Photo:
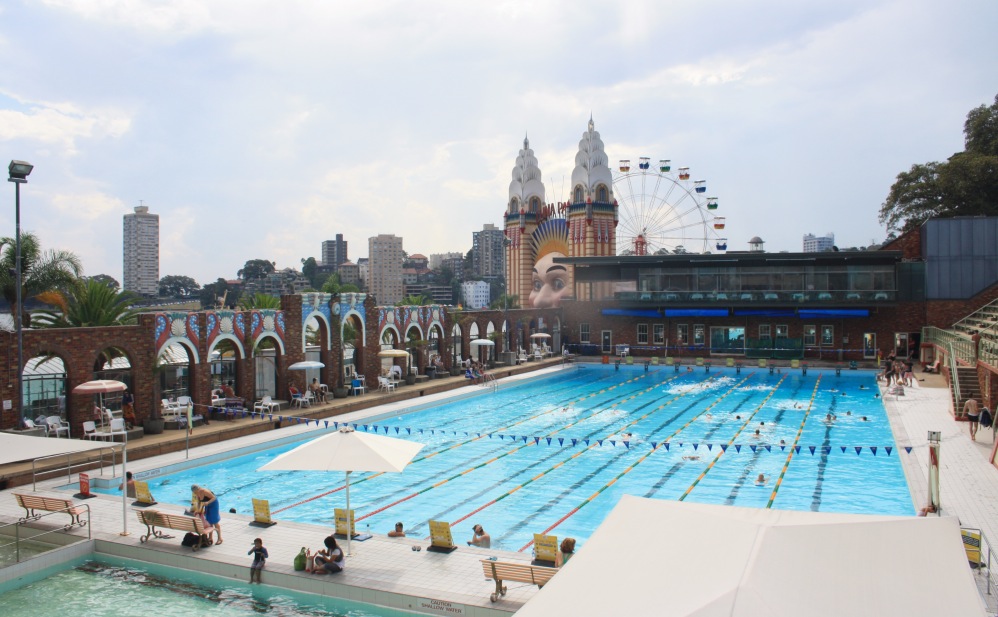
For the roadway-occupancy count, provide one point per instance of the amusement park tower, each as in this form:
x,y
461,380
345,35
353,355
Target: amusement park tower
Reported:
x,y
583,226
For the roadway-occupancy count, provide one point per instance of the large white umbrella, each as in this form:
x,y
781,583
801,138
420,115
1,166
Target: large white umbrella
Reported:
x,y
349,451
482,342
305,365
393,353
540,335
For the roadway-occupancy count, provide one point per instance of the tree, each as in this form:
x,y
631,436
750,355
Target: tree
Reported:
x,y
259,301
87,304
213,293
108,280
176,286
41,271
309,270
349,288
256,269
965,185
413,301
505,301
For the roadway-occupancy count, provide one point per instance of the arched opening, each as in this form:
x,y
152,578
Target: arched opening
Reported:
x,y
416,345
578,196
602,195
490,333
43,388
314,334
535,204
352,338
222,361
457,337
173,367
389,340
265,357
113,363
433,349
514,206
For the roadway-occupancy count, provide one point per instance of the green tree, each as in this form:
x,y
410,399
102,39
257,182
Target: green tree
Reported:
x,y
965,185
108,280
259,301
332,284
505,302
309,269
41,271
176,286
349,288
413,301
256,269
87,304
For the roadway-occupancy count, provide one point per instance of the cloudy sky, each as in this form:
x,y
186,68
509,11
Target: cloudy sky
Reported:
x,y
258,129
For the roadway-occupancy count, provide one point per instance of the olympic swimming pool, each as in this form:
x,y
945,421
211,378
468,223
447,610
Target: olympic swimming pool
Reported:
x,y
548,454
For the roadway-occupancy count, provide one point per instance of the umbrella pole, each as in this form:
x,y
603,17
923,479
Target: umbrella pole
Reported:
x,y
349,517
124,486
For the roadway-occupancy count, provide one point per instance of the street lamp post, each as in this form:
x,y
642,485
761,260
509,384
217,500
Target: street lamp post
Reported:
x,y
18,172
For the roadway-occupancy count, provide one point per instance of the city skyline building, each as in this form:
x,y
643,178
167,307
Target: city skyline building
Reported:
x,y
437,259
818,244
488,253
141,252
475,294
385,268
334,252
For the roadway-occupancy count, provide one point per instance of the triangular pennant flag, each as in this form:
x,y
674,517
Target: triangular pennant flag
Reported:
x,y
783,447
548,439
387,428
666,444
680,444
709,446
627,444
501,436
843,448
654,445
812,449
490,435
408,431
612,442
695,446
874,450
327,423
575,442
858,449
365,427
561,441
244,413
738,447
354,426
375,427
433,431
769,448
753,447
271,416
537,440
907,449
524,438
336,424
420,431
888,450
826,449
724,447
796,449
398,428
280,418
585,441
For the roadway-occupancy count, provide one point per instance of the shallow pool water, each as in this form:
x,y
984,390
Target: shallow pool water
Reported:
x,y
555,454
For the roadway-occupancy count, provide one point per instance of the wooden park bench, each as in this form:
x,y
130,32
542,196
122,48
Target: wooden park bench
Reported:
x,y
502,571
155,521
33,504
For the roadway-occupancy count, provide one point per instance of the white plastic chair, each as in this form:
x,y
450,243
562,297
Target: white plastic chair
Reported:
x,y
90,430
268,404
30,424
117,428
170,408
385,385
57,426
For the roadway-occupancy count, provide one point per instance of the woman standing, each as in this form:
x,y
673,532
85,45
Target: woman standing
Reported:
x,y
209,504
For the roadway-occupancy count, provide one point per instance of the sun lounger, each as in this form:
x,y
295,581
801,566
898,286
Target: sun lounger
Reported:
x,y
502,571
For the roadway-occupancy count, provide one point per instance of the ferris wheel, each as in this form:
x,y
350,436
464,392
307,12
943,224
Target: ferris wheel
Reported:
x,y
661,211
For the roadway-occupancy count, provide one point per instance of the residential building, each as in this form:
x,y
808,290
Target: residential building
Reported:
x,y
364,270
349,273
488,252
417,261
815,244
475,294
385,255
334,252
286,281
437,259
141,252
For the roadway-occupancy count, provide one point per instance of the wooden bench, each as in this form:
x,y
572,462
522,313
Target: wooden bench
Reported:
x,y
154,519
501,571
32,504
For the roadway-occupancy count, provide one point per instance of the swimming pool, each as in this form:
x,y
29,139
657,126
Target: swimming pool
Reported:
x,y
553,454
114,587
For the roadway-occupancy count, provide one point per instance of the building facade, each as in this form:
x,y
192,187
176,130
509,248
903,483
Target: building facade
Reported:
x,y
385,268
334,252
816,244
141,252
488,252
475,294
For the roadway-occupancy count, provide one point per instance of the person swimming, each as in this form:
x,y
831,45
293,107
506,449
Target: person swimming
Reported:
x,y
759,481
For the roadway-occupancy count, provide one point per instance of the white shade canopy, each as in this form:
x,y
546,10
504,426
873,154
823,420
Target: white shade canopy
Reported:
x,y
306,365
100,386
16,448
702,560
393,353
540,335
482,342
347,450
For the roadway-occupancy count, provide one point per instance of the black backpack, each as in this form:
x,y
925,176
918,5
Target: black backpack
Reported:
x,y
986,419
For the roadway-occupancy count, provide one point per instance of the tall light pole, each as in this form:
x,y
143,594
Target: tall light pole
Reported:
x,y
18,172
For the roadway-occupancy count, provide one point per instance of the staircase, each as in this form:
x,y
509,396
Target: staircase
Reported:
x,y
984,321
970,388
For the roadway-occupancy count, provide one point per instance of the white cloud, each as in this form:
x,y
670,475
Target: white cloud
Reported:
x,y
61,124
170,16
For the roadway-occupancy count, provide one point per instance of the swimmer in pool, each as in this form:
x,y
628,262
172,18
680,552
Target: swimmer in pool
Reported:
x,y
691,457
783,443
848,413
757,434
761,480
863,418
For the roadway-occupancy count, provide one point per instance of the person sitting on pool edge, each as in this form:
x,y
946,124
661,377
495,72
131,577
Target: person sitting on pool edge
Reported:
x,y
399,531
329,559
481,538
566,552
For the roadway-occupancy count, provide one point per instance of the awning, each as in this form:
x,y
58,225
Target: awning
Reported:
x,y
17,448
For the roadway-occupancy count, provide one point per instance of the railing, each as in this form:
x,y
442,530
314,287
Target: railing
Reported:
x,y
985,584
987,352
37,474
972,320
954,380
959,345
17,529
763,296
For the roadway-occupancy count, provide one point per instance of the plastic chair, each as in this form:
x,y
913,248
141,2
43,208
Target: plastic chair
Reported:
x,y
90,430
385,385
266,404
117,428
57,425
357,386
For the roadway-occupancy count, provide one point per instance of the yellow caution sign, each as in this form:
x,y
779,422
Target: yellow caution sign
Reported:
x,y
341,521
261,513
545,547
440,535
972,545
142,494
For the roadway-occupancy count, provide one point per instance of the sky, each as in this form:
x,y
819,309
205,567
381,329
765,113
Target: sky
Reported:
x,y
256,130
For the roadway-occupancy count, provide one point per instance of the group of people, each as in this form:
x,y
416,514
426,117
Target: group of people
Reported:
x,y
476,372
898,372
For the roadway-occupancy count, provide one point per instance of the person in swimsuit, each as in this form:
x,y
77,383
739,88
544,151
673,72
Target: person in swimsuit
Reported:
x,y
973,417
566,552
209,505
260,556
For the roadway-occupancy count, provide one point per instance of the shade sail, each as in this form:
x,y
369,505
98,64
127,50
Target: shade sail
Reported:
x,y
17,448
703,560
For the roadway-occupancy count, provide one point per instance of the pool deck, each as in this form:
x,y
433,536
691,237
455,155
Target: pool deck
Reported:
x,y
386,571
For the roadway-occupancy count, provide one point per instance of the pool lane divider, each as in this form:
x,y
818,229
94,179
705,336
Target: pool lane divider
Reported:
x,y
795,448
488,435
661,444
596,444
526,444
731,441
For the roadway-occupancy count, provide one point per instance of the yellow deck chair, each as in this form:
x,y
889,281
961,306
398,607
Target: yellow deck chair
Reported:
x,y
729,362
795,363
654,360
699,361
762,363
669,361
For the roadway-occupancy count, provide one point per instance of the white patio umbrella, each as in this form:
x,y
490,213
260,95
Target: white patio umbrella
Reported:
x,y
482,342
349,451
306,365
393,353
540,335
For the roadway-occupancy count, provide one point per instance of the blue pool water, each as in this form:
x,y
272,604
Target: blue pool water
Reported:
x,y
112,587
549,454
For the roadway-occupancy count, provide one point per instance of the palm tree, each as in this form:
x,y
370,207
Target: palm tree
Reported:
x,y
41,271
87,304
419,300
259,301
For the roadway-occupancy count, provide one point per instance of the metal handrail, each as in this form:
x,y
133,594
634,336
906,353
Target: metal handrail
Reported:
x,y
990,585
955,380
17,528
36,473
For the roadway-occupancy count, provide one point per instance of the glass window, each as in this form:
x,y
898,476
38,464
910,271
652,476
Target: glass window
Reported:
x,y
810,336
782,331
642,334
765,331
683,334
827,335
698,334
583,333
727,340
659,334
